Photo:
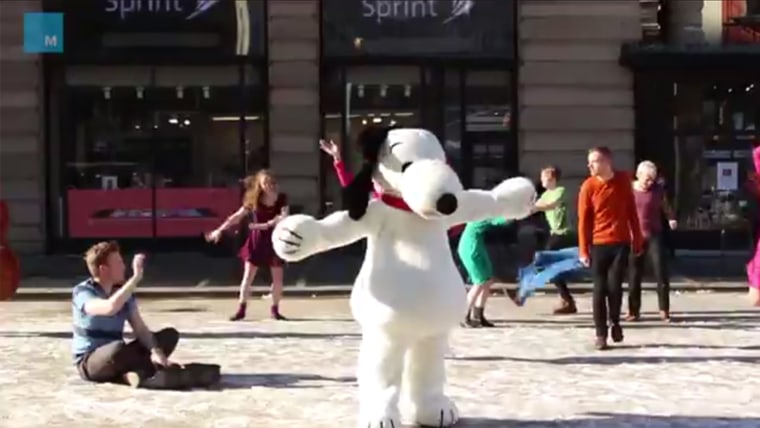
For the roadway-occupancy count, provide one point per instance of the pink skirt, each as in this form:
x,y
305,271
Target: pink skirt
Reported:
x,y
753,269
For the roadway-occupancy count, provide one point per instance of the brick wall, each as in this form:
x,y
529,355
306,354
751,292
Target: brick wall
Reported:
x,y
573,95
22,166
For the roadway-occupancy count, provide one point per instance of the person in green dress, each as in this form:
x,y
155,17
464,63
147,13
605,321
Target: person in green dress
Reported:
x,y
554,206
474,256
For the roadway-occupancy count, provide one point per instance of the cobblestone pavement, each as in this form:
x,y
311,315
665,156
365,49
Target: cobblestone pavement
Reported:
x,y
535,370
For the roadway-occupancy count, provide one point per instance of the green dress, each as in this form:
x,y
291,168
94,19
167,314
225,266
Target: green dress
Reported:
x,y
472,249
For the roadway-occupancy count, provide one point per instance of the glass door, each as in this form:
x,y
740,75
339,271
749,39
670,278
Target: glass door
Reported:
x,y
360,96
469,110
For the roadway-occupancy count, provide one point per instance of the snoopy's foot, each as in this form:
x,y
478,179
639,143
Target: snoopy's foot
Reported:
x,y
439,412
380,419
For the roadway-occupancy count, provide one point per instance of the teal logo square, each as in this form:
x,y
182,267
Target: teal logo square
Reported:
x,y
43,32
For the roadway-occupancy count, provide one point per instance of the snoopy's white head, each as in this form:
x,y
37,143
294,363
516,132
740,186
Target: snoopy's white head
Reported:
x,y
407,163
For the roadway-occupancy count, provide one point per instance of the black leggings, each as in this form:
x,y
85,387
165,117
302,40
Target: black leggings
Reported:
x,y
655,251
558,242
608,263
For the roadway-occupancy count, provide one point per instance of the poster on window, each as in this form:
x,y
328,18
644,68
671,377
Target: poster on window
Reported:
x,y
131,213
728,176
741,20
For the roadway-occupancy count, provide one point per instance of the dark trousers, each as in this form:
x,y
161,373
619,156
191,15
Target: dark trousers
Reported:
x,y
608,263
558,242
656,252
110,362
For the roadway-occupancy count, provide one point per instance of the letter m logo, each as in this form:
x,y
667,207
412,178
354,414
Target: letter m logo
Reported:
x,y
43,33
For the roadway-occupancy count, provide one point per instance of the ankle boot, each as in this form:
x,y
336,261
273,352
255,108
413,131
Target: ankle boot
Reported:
x,y
240,314
566,307
274,312
470,322
479,315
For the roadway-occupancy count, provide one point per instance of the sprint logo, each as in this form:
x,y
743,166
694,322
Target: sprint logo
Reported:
x,y
401,10
126,8
201,6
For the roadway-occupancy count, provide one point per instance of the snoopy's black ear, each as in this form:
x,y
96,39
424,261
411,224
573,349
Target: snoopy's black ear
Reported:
x,y
356,194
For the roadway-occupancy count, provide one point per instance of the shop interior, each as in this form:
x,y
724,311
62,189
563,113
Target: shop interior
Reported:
x,y
469,110
159,137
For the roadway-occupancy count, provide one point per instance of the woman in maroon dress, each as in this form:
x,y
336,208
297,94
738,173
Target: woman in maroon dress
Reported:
x,y
263,205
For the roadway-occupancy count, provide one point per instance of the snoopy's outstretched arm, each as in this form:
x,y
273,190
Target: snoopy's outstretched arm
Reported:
x,y
299,236
513,199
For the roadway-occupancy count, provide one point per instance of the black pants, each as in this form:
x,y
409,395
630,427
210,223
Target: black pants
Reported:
x,y
558,242
656,252
608,263
110,362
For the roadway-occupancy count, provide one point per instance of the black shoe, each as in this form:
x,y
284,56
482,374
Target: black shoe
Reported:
x,y
616,333
202,375
471,323
172,378
485,323
479,316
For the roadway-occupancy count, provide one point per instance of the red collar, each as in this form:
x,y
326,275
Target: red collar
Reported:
x,y
395,202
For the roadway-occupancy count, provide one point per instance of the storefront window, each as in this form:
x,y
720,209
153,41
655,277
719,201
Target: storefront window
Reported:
x,y
488,127
715,127
157,151
469,111
741,21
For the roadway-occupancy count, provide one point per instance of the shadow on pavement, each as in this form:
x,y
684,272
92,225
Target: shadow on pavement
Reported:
x,y
614,360
599,420
278,380
196,335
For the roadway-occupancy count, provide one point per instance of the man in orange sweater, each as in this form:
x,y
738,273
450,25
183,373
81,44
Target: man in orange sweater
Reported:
x,y
608,229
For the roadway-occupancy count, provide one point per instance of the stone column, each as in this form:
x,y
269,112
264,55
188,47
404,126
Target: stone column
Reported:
x,y
685,20
573,94
294,119
22,153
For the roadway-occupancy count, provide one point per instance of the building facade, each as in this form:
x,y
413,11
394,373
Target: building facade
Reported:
x,y
142,128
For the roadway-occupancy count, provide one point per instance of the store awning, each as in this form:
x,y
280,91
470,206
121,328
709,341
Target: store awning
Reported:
x,y
638,56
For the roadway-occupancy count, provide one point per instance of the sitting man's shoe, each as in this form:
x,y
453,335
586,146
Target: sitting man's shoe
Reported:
x,y
202,375
171,378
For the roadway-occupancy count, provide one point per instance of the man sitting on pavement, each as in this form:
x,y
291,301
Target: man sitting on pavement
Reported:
x,y
100,308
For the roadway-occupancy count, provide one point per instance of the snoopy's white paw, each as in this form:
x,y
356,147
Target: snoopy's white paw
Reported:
x,y
294,237
388,419
439,413
518,196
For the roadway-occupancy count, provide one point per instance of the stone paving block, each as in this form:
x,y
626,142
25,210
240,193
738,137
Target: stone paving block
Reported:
x,y
534,370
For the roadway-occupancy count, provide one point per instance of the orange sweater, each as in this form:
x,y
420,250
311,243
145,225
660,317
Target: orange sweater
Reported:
x,y
607,213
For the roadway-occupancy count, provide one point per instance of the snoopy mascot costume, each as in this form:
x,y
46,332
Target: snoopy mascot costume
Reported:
x,y
408,294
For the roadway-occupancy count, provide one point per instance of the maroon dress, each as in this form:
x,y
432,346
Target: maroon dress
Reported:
x,y
258,249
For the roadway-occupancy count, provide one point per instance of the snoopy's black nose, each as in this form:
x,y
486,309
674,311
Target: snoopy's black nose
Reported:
x,y
446,204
